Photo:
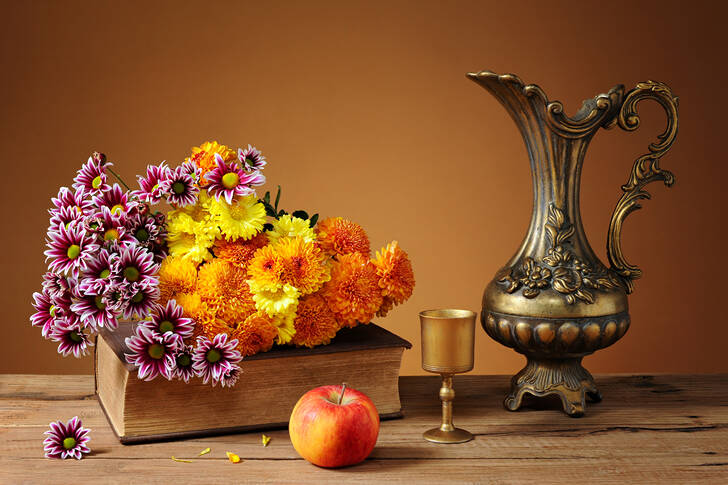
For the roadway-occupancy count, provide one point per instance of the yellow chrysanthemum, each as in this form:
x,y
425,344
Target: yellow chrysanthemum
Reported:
x,y
239,252
204,156
394,268
244,218
339,236
353,293
191,233
289,226
302,264
284,326
276,300
191,246
176,275
315,323
256,334
265,268
222,285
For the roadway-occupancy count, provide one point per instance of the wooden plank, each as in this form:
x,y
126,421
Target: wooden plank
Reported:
x,y
671,429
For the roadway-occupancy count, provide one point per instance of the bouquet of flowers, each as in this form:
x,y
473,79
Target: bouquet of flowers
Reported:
x,y
216,275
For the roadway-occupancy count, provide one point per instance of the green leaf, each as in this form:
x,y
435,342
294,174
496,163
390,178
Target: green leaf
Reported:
x,y
270,211
300,214
278,196
266,199
314,220
267,226
281,213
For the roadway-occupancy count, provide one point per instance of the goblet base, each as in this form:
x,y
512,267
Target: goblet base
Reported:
x,y
455,435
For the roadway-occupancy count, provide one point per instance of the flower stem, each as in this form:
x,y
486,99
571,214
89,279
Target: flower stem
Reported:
x,y
118,178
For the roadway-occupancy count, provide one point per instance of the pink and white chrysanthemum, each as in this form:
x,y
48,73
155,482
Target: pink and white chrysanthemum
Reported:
x,y
100,270
150,189
45,313
71,338
76,200
116,199
149,350
69,248
229,180
137,265
109,226
230,378
66,440
180,187
140,298
193,170
179,363
56,285
169,318
251,158
213,359
64,216
93,312
91,176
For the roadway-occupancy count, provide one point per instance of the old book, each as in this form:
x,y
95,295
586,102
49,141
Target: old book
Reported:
x,y
366,357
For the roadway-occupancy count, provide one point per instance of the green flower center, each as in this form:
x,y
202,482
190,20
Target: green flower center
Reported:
x,y
52,310
117,209
230,180
111,235
250,162
131,273
73,251
213,356
99,302
184,360
96,182
156,351
75,336
69,443
138,297
166,326
178,188
142,235
105,273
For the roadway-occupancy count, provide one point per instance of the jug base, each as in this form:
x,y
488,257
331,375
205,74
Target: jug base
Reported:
x,y
565,378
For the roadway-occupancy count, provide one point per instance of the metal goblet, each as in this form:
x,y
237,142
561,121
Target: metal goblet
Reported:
x,y
448,342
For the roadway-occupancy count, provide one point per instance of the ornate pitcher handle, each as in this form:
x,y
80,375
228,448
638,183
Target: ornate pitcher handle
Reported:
x,y
646,169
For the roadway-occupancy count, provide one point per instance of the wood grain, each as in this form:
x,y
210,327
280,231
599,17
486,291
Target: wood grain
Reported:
x,y
669,429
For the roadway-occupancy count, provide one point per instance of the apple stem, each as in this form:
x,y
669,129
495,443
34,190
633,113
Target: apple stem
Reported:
x,y
343,390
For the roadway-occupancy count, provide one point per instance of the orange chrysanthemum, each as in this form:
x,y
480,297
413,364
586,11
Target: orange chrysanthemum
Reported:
x,y
240,251
340,236
255,334
193,307
223,287
302,264
176,276
387,306
204,156
315,323
353,293
394,268
265,268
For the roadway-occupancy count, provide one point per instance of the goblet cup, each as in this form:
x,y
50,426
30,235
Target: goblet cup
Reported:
x,y
448,341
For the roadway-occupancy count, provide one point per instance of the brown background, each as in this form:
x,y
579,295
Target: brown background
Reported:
x,y
364,111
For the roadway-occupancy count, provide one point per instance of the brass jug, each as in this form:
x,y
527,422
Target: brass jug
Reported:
x,y
555,301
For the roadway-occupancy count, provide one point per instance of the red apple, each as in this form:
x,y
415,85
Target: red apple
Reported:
x,y
331,430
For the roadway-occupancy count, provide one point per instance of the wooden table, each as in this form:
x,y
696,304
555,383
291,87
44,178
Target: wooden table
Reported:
x,y
663,428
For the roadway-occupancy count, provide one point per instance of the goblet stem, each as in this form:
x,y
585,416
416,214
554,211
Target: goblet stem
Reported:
x,y
447,394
